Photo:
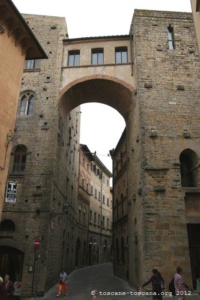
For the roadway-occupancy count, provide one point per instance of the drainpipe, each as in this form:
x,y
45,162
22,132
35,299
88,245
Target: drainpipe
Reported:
x,y
131,47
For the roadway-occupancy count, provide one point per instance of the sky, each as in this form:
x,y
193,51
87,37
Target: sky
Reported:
x,y
86,18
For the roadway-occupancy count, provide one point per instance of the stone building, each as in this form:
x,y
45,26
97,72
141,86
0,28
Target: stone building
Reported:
x,y
17,44
151,77
195,4
121,222
160,152
44,167
85,158
94,238
100,219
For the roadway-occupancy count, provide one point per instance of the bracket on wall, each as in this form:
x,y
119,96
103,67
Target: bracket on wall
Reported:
x,y
2,30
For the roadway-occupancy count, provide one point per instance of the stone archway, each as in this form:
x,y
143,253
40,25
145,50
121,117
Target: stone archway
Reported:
x,y
112,92
102,89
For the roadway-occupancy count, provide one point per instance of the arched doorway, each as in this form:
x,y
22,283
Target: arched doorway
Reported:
x,y
11,262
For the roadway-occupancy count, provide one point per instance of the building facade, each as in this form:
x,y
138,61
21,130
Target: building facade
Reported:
x,y
195,5
95,210
150,76
82,243
44,169
100,219
121,222
13,34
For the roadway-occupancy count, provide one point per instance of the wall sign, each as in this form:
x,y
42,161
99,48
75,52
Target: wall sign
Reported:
x,y
11,191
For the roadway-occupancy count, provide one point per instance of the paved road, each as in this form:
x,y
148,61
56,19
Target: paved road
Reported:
x,y
83,281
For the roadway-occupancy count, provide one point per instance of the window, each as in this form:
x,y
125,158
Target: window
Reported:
x,y
95,193
107,201
198,5
79,214
7,225
103,222
171,37
84,216
99,220
91,190
32,64
99,196
103,178
90,216
97,56
95,218
103,199
19,160
121,55
83,183
26,104
107,223
74,58
189,172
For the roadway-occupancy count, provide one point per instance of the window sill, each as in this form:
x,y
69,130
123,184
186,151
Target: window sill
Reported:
x,y
16,175
32,70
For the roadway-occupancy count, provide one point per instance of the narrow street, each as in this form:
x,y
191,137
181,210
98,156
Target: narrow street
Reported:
x,y
82,282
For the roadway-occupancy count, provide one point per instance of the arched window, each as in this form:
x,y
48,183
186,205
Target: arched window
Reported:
x,y
19,162
26,104
7,225
188,160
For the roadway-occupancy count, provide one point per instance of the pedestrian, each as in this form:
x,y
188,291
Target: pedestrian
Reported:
x,y
198,285
95,293
179,284
62,283
1,281
6,288
157,282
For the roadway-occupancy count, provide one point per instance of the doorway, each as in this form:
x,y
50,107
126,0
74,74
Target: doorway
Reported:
x,y
194,249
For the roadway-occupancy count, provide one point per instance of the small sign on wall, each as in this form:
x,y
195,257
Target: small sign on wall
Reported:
x,y
11,191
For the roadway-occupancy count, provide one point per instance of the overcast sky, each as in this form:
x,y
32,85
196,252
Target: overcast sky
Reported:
x,y
99,131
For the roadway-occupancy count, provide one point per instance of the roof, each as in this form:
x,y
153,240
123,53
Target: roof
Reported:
x,y
95,158
87,151
11,18
116,37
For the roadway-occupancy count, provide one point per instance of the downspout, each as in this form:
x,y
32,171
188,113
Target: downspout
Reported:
x,y
131,47
9,139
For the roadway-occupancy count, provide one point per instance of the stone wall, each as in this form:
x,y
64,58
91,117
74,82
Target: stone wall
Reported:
x,y
51,173
168,107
